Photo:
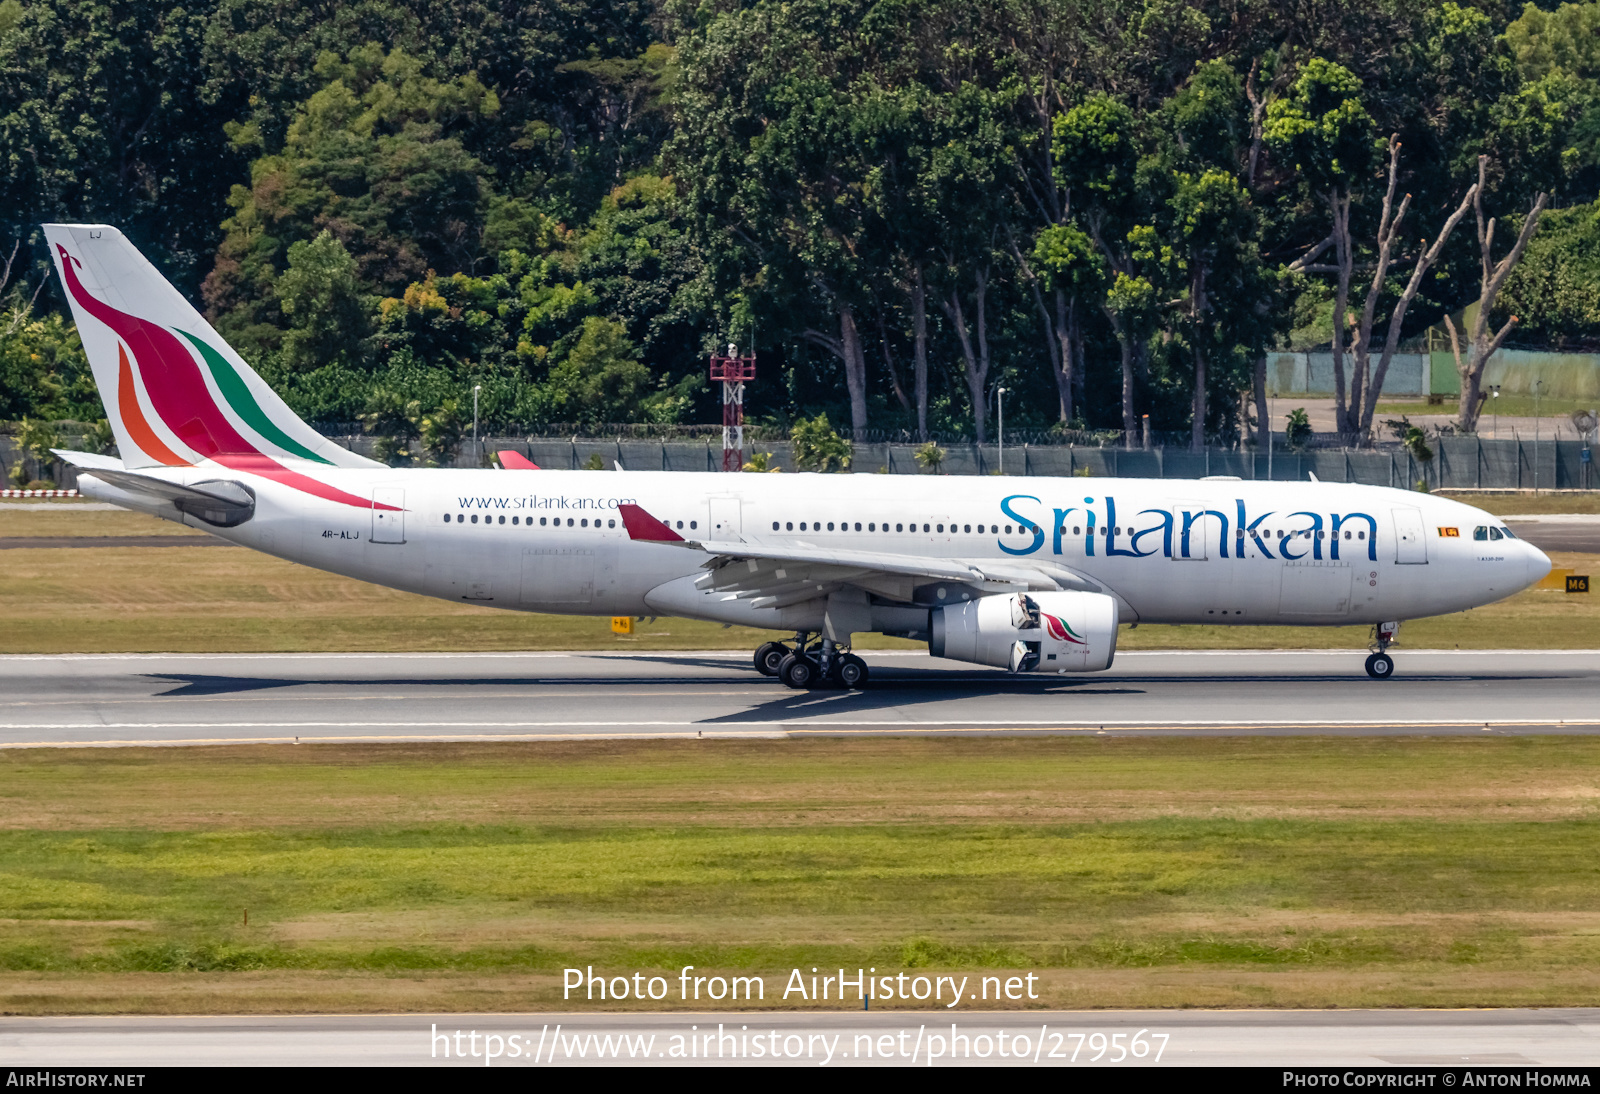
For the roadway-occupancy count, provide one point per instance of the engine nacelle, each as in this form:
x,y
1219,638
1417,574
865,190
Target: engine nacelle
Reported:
x,y
1029,632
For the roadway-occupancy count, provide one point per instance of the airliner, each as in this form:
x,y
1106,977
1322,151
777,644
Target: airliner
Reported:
x,y
1028,575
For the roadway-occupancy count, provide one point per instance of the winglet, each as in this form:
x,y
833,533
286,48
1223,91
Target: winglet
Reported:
x,y
515,461
642,525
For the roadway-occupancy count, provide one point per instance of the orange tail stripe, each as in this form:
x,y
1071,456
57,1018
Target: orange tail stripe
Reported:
x,y
133,418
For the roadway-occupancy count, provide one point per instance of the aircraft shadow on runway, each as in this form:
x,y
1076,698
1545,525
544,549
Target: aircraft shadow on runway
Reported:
x,y
890,686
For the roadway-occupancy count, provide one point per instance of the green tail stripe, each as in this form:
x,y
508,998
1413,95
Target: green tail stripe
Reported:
x,y
244,404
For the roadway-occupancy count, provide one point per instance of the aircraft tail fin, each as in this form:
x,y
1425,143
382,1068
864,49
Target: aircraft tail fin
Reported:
x,y
175,393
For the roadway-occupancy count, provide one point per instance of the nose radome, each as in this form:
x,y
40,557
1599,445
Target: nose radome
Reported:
x,y
1538,563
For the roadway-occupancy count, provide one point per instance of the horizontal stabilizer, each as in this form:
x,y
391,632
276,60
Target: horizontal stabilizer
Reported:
x,y
220,502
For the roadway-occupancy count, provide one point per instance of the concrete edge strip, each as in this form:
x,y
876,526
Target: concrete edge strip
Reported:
x,y
764,731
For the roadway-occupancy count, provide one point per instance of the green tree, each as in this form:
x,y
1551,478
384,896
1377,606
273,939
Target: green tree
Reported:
x,y
1322,131
817,447
320,297
374,158
1098,155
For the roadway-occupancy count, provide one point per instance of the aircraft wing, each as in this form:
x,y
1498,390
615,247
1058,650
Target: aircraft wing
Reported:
x,y
778,576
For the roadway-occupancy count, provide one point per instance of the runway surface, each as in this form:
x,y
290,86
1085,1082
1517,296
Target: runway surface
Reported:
x,y
224,698
1560,531
1390,1038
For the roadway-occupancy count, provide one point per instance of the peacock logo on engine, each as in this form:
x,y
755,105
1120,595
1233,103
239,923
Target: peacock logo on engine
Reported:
x,y
1058,629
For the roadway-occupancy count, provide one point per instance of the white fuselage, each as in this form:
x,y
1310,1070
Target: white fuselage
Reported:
x,y
1169,551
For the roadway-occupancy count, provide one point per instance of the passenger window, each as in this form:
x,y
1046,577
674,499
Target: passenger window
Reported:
x,y
872,526
789,526
774,526
584,523
1008,529
474,518
899,528
1480,533
968,528
609,523
542,520
858,526
941,527
1077,529
1361,535
692,525
802,526
1347,535
569,522
502,520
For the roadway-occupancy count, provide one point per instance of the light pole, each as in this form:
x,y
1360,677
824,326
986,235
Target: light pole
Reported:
x,y
476,447
1000,430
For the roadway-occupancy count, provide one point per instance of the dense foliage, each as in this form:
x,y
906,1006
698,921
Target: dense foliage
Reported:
x,y
1111,208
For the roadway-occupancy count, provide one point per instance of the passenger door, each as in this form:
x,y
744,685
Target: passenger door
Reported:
x,y
1411,541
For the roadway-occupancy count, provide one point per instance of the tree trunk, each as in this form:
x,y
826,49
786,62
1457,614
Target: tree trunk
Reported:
x,y
1062,360
1259,390
888,363
1493,275
976,365
1198,306
919,327
1425,262
1345,261
1389,221
855,368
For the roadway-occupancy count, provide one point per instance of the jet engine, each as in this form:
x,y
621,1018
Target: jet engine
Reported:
x,y
1029,632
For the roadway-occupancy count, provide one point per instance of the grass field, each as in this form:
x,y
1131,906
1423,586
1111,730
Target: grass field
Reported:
x,y
214,599
1509,505
1126,872
1508,406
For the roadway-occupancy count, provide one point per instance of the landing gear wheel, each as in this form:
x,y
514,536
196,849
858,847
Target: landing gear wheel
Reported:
x,y
800,673
769,657
1380,666
852,671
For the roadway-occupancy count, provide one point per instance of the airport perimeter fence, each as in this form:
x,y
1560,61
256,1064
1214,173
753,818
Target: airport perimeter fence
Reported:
x,y
1459,462
1464,462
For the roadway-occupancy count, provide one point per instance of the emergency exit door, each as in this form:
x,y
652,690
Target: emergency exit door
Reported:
x,y
726,522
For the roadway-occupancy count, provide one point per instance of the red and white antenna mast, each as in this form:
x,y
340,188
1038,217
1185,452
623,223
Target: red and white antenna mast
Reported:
x,y
733,371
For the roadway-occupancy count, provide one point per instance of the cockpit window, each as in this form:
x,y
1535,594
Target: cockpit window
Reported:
x,y
1507,533
1495,533
1480,533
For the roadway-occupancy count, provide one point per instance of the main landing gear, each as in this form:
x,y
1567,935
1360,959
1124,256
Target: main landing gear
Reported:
x,y
1380,666
808,664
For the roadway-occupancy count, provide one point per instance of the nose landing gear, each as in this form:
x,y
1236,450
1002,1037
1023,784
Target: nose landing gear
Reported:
x,y
1380,666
